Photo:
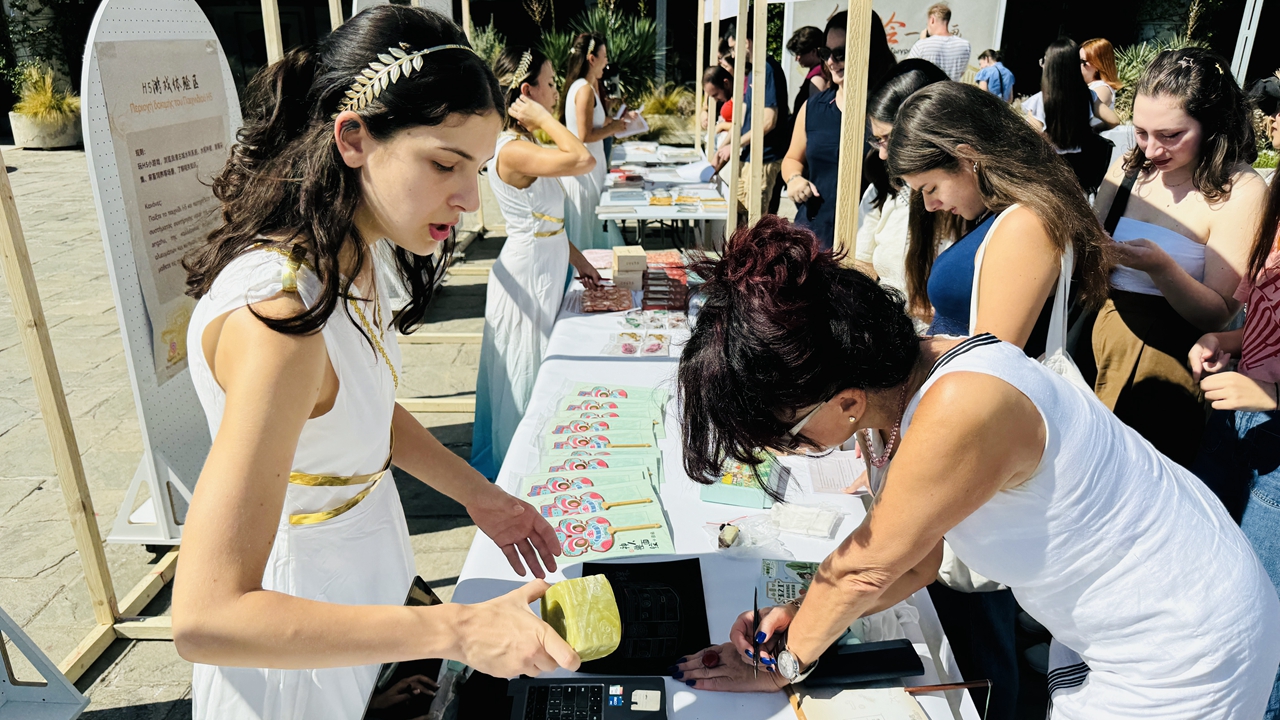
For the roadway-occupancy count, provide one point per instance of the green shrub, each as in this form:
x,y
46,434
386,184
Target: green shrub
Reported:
x,y
632,43
44,99
670,99
488,42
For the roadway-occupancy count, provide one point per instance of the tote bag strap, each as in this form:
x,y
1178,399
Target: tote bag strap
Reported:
x,y
977,268
1056,341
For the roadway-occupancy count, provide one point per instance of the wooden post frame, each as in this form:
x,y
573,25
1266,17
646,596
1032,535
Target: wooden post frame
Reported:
x,y
466,28
699,65
759,66
857,56
335,14
34,331
271,28
27,310
735,135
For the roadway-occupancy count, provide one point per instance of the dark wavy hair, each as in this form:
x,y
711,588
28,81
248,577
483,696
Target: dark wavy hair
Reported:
x,y
1066,95
784,326
505,66
902,80
1014,164
578,65
285,178
1201,80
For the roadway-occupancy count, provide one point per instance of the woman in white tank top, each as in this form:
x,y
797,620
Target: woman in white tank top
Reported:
x,y
1184,205
528,280
1123,555
296,558
582,111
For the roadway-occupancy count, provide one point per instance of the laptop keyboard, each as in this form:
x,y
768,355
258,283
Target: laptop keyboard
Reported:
x,y
564,702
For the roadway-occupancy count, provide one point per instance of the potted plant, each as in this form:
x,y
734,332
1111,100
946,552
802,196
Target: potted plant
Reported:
x,y
47,114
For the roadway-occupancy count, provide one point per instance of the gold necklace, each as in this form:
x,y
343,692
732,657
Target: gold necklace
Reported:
x,y
376,337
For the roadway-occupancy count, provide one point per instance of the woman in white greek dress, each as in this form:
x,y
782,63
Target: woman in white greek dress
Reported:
x,y
583,113
296,558
527,283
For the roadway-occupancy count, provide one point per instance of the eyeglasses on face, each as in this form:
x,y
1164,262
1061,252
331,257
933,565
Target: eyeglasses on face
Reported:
x,y
878,142
835,54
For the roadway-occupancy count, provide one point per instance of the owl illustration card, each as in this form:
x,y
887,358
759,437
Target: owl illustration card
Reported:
x,y
621,532
603,440
595,500
578,460
540,485
609,391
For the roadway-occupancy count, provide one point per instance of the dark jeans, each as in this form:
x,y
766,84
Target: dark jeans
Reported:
x,y
981,629
1240,461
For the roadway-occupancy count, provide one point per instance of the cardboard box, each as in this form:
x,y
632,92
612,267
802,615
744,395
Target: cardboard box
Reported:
x,y
629,259
628,280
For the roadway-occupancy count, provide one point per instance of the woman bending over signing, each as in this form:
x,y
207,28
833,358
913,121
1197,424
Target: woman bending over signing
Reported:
x,y
296,557
1123,555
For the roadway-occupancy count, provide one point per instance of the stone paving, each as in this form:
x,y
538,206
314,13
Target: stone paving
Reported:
x,y
41,578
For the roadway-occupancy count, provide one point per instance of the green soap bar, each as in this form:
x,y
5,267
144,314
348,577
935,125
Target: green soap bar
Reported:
x,y
585,613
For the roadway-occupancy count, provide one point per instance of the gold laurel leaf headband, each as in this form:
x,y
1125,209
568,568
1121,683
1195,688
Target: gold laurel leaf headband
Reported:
x,y
522,71
590,49
386,70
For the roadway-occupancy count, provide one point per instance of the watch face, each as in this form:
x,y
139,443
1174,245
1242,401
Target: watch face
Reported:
x,y
788,666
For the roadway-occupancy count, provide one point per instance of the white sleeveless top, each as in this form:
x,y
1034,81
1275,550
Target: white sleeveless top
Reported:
x,y
533,212
597,120
1124,556
360,557
1188,253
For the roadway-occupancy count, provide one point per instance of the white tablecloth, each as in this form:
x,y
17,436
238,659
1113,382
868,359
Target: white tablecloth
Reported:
x,y
573,356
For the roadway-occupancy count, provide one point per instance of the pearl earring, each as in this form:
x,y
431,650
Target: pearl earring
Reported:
x,y
852,419
975,167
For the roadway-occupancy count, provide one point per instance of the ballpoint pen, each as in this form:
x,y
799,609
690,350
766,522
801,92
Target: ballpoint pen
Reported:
x,y
755,634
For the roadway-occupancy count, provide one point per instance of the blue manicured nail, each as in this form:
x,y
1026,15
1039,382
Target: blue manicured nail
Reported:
x,y
677,675
749,654
673,670
681,661
768,661
760,636
690,683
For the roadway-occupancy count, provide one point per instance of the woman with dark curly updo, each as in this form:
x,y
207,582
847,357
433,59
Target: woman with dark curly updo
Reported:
x,y
1032,482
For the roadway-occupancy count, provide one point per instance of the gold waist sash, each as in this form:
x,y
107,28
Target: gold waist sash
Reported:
x,y
310,480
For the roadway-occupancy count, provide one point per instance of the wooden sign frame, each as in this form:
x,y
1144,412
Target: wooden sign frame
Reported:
x,y
853,122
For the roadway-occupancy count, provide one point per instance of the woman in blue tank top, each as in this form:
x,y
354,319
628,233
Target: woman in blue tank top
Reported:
x,y
815,147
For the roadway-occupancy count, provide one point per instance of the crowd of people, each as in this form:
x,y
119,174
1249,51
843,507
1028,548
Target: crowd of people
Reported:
x,y
1027,362
981,213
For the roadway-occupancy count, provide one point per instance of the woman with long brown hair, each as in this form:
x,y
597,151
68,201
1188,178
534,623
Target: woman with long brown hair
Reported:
x,y
296,556
527,282
582,111
1185,204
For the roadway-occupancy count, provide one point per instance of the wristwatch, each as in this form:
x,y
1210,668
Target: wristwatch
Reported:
x,y
789,667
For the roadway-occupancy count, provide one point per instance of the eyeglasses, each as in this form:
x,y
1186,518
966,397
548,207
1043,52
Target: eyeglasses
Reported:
x,y
790,435
878,142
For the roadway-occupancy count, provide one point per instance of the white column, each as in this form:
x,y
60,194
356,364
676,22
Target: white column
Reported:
x,y
1244,41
